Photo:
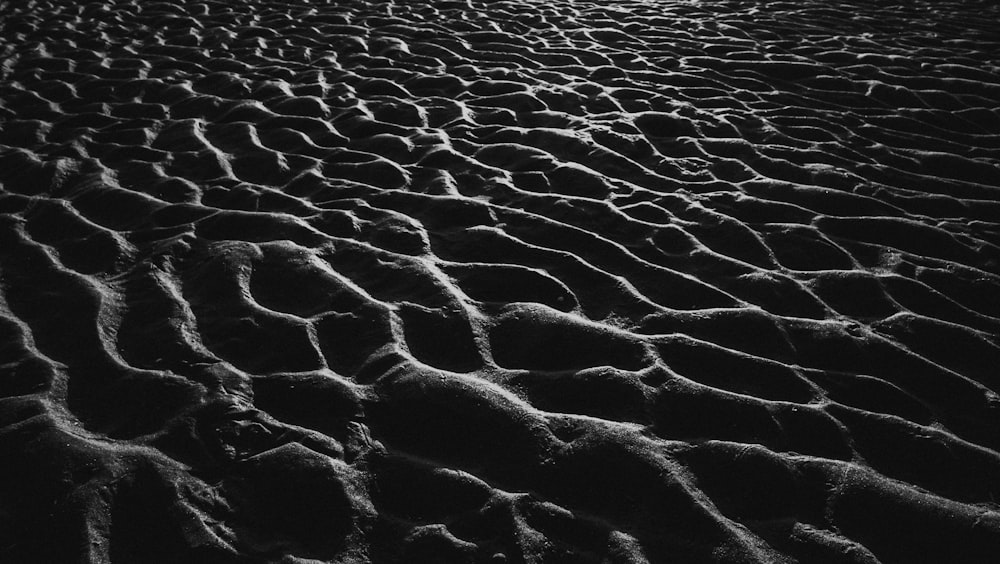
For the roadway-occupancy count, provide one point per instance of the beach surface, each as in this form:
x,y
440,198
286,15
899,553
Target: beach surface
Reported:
x,y
499,282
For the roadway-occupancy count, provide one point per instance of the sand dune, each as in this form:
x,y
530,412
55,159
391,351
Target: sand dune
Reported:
x,y
513,281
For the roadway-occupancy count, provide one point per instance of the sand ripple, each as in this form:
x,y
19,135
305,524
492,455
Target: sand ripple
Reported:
x,y
499,281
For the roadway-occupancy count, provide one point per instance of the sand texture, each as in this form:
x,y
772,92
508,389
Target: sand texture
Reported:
x,y
524,282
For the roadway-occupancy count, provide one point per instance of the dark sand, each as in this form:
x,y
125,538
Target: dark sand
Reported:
x,y
526,282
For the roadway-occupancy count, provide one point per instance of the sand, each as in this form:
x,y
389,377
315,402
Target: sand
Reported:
x,y
514,281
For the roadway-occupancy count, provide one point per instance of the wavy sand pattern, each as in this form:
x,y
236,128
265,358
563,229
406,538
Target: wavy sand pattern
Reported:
x,y
466,281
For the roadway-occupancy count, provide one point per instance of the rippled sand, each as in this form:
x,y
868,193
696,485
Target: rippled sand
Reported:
x,y
532,282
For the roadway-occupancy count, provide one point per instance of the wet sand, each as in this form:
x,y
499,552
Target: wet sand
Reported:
x,y
526,282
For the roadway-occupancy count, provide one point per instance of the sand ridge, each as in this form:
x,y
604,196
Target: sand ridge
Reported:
x,y
499,281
